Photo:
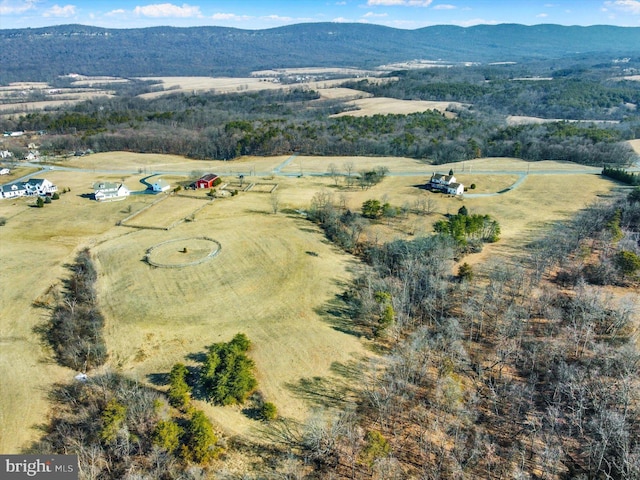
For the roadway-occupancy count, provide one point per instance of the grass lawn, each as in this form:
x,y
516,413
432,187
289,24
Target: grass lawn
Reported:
x,y
273,278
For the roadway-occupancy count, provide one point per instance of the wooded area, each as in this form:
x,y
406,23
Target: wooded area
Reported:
x,y
530,372
210,126
38,54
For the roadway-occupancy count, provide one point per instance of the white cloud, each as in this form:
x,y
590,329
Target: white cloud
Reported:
x,y
631,6
277,18
476,21
341,20
341,3
231,17
444,6
401,3
168,10
116,12
58,11
542,15
374,15
8,7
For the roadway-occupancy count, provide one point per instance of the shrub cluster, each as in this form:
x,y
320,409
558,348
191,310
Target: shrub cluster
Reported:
x,y
621,175
117,426
227,374
469,230
75,328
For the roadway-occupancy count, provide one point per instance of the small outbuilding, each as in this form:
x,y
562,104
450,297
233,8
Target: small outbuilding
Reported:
x,y
160,186
209,180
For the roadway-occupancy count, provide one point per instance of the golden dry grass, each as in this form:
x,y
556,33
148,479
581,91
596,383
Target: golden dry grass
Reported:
x,y
232,84
523,120
339,93
150,163
383,106
263,283
34,246
70,99
166,212
16,173
635,144
312,71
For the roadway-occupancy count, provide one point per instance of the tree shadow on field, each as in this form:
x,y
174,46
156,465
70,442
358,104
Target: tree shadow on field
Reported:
x,y
334,391
193,374
159,379
339,313
259,212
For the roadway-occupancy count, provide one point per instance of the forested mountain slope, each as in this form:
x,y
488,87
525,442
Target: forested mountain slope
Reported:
x,y
42,53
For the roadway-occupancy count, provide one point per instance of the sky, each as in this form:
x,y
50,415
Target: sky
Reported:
x,y
261,14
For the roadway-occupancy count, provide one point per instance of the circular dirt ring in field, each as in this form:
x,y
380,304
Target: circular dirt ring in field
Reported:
x,y
182,252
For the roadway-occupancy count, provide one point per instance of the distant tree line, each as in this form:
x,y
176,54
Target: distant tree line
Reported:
x,y
578,95
209,126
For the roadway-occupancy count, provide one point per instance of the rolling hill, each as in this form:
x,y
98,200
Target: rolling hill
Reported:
x,y
43,53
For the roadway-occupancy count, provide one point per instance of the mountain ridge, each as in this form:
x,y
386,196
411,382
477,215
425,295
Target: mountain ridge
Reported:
x,y
41,53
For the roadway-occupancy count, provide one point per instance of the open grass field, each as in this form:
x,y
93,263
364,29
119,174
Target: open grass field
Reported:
x,y
150,163
34,246
20,97
166,212
273,279
382,106
233,84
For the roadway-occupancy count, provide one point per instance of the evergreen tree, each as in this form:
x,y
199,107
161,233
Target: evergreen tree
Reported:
x,y
179,391
199,439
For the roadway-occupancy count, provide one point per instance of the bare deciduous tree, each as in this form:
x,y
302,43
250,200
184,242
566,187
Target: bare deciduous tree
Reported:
x,y
349,168
332,169
275,201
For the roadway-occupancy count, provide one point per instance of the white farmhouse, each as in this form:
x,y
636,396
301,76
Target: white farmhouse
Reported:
x,y
40,186
109,191
32,187
446,183
13,190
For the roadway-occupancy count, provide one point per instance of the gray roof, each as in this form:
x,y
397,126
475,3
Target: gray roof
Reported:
x,y
9,187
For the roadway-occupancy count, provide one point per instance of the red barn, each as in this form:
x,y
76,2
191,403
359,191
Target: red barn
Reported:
x,y
207,181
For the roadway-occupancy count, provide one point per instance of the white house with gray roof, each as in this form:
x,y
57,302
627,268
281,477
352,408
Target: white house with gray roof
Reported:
x,y
32,187
13,190
109,191
446,183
